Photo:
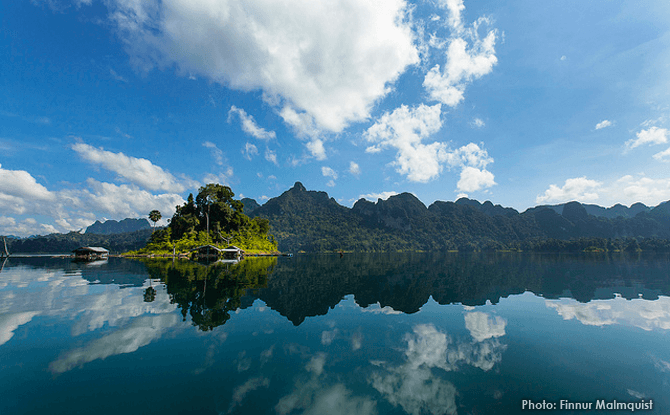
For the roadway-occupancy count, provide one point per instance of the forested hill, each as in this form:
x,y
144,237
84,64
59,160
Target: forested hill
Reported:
x,y
311,221
110,227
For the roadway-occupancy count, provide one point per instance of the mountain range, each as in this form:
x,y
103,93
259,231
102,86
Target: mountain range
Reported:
x,y
311,221
110,227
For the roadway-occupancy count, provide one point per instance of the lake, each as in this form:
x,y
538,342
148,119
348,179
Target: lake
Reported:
x,y
319,334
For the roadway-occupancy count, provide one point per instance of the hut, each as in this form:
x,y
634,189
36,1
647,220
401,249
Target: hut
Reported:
x,y
91,253
206,252
232,252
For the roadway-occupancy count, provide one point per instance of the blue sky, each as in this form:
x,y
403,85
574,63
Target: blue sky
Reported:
x,y
109,109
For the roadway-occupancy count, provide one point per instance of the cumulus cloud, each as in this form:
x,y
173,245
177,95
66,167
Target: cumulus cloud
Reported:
x,y
354,169
663,155
249,150
122,201
580,188
405,130
307,53
603,124
19,190
328,172
136,170
305,128
468,57
629,189
271,156
249,125
473,179
478,123
653,135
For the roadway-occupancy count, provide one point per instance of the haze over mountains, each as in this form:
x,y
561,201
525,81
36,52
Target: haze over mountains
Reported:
x,y
303,220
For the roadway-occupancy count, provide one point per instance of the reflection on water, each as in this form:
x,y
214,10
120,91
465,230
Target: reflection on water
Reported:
x,y
362,334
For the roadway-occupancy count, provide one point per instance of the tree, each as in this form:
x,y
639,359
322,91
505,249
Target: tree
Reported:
x,y
155,216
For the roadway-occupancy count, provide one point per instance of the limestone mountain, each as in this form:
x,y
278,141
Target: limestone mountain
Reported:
x,y
311,221
110,227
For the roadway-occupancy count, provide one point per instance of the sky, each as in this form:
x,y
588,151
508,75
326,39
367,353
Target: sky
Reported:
x,y
110,109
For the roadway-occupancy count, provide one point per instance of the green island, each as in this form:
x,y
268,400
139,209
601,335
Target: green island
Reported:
x,y
212,218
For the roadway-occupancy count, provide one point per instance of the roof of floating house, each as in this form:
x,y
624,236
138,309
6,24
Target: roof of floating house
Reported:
x,y
231,248
92,249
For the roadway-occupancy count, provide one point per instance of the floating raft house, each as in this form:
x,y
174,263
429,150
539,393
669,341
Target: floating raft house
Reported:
x,y
211,252
91,252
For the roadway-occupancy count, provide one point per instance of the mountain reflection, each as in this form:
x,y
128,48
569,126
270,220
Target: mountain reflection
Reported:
x,y
307,286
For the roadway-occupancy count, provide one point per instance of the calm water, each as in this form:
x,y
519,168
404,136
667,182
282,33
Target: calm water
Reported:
x,y
363,334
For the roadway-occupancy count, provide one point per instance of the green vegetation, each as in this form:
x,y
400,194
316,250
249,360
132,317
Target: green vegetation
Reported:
x,y
212,218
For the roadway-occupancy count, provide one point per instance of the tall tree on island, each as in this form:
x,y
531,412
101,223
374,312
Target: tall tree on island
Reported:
x,y
155,216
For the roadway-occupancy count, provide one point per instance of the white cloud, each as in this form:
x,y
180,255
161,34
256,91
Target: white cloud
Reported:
x,y
626,190
249,125
216,152
328,172
580,188
137,170
122,201
332,60
629,189
405,129
305,128
663,155
374,196
473,179
19,191
603,124
564,58
653,135
478,123
468,57
271,156
249,150
354,169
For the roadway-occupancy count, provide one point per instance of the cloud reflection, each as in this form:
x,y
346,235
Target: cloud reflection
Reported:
x,y
141,332
645,314
416,386
313,397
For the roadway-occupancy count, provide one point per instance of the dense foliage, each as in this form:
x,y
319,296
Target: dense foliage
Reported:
x,y
212,217
310,221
